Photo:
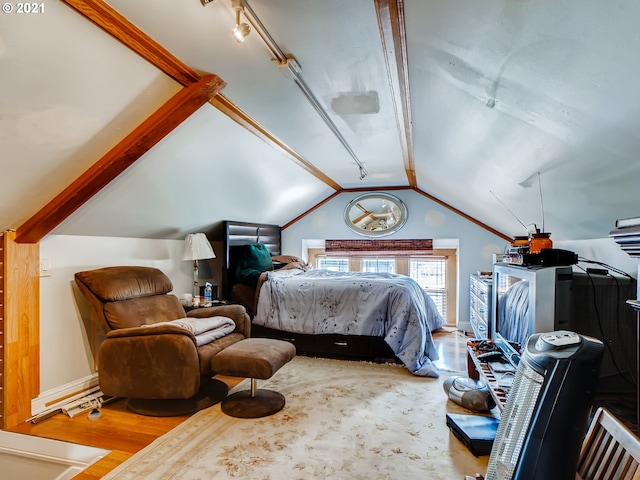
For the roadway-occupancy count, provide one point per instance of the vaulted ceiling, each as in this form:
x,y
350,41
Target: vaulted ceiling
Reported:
x,y
483,106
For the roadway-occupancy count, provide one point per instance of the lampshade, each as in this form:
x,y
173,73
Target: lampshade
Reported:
x,y
197,247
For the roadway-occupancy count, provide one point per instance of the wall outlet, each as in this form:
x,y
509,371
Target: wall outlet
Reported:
x,y
45,267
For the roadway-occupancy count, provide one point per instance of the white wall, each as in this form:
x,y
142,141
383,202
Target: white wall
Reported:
x,y
604,250
65,318
427,219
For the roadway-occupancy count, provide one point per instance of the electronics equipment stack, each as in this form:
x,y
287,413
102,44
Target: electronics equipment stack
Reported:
x,y
520,254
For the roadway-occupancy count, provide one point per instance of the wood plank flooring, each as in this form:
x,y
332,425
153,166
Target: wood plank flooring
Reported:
x,y
125,433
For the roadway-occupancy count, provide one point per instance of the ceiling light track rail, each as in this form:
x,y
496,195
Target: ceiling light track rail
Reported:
x,y
293,71
279,56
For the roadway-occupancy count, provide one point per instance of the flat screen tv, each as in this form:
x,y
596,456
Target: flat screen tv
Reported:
x,y
528,300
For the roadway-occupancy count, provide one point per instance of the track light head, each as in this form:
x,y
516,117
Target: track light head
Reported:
x,y
241,30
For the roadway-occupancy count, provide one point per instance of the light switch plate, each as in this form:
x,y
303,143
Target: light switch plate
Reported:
x,y
45,267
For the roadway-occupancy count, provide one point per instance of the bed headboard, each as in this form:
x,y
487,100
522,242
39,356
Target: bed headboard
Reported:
x,y
238,234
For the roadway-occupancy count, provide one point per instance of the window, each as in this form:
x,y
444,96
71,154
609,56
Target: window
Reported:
x,y
431,275
435,273
333,263
387,265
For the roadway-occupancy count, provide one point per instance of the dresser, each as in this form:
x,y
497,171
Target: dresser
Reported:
x,y
480,304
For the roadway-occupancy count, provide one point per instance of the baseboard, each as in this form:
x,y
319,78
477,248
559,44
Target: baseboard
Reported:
x,y
64,394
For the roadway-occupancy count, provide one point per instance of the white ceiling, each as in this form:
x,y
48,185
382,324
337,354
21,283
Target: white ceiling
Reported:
x,y
508,97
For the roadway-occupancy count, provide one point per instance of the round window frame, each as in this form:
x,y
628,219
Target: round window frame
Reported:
x,y
399,204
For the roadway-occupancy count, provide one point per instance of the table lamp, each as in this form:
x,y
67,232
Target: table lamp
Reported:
x,y
197,247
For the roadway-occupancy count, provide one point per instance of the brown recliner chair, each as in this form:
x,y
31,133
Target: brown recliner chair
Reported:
x,y
145,357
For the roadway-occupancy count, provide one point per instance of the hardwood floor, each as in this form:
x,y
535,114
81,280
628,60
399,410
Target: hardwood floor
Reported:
x,y
125,433
452,349
118,429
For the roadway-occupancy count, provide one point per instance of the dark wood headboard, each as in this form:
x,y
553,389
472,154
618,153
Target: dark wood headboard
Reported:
x,y
238,234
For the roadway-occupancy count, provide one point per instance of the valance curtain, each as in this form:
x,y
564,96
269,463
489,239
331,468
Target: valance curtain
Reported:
x,y
379,247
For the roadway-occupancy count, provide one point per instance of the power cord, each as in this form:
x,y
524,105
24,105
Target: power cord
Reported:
x,y
606,340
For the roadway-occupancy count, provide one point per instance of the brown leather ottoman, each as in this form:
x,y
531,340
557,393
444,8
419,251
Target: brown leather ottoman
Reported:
x,y
254,358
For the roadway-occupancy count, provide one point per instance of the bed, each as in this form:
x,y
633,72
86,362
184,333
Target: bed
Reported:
x,y
344,314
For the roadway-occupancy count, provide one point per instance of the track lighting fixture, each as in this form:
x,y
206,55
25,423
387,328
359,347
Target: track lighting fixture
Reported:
x,y
292,70
363,172
241,30
288,65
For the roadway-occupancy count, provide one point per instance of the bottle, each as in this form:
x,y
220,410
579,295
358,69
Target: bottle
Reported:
x,y
207,294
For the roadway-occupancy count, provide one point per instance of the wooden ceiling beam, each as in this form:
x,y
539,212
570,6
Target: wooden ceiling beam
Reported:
x,y
112,22
231,110
119,158
394,43
464,215
108,19
316,206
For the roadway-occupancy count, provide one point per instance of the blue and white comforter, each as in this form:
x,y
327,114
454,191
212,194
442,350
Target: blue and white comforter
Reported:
x,y
385,305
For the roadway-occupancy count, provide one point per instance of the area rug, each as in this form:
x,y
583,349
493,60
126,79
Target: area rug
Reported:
x,y
342,420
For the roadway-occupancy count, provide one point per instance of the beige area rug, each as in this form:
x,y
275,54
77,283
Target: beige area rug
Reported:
x,y
343,420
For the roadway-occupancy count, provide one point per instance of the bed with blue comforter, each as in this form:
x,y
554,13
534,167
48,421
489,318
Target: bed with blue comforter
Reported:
x,y
319,302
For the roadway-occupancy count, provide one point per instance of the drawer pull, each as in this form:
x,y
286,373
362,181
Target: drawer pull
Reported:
x,y
341,344
292,340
